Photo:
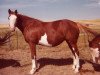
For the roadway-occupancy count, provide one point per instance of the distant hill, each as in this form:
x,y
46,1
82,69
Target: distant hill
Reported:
x,y
96,21
4,25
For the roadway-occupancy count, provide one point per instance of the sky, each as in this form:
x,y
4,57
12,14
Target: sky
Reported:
x,y
49,10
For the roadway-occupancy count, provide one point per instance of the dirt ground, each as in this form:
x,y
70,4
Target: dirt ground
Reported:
x,y
52,61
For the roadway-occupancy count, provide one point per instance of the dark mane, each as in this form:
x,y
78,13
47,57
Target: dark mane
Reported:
x,y
31,18
27,17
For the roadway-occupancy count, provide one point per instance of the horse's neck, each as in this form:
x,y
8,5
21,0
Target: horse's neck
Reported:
x,y
22,22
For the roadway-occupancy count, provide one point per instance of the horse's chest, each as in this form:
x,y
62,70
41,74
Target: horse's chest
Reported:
x,y
43,40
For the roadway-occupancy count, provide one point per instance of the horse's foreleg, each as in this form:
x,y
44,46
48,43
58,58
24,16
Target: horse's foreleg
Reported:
x,y
33,56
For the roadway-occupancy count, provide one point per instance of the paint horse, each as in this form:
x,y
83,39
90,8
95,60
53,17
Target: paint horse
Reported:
x,y
51,34
95,48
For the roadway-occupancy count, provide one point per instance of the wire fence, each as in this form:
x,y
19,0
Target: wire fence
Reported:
x,y
15,42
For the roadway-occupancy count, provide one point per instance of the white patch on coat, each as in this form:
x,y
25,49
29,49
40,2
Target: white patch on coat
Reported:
x,y
73,67
76,64
73,61
95,53
73,49
12,20
44,41
33,66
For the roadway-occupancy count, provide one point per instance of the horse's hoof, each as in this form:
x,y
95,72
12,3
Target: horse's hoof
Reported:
x,y
73,67
76,71
32,71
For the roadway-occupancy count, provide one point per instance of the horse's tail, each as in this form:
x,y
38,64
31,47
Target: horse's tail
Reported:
x,y
4,39
87,30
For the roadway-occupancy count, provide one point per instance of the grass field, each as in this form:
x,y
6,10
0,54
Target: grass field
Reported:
x,y
53,61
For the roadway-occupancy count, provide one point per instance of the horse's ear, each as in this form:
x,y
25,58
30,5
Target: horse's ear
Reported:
x,y
16,12
9,11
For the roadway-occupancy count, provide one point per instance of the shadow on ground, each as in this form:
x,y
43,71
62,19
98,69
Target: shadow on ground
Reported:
x,y
8,62
95,66
57,62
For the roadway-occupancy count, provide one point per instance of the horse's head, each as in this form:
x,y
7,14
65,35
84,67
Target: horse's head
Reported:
x,y
12,19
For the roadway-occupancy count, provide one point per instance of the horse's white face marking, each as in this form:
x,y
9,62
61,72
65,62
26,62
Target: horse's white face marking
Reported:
x,y
12,20
33,66
95,53
44,41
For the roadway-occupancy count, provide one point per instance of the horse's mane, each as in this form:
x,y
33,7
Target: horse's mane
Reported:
x,y
25,16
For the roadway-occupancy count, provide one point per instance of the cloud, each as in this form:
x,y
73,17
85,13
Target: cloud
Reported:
x,y
99,2
18,3
93,3
25,3
48,0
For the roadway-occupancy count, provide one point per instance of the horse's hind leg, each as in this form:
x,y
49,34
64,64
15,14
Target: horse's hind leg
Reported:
x,y
76,64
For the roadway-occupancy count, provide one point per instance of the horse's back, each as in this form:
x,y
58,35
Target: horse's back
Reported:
x,y
63,25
